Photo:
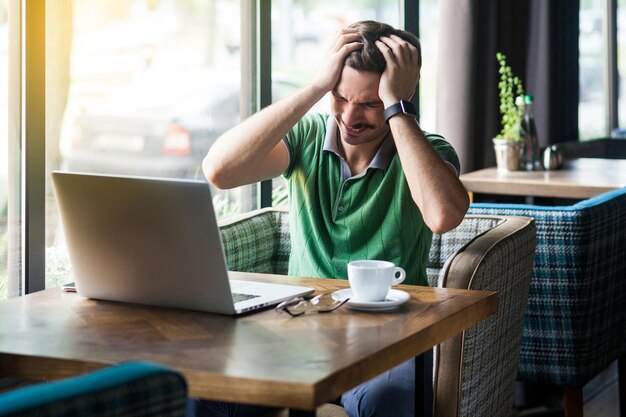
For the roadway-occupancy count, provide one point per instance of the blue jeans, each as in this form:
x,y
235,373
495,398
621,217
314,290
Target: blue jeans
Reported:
x,y
390,394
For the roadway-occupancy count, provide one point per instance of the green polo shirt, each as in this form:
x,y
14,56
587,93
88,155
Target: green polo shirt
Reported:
x,y
336,218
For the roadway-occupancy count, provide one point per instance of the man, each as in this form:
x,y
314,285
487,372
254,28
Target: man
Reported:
x,y
364,183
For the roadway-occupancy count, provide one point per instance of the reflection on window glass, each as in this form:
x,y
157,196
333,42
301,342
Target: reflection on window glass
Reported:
x,y
429,26
621,61
591,108
302,31
4,144
141,87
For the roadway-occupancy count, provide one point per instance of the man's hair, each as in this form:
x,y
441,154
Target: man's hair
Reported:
x,y
369,58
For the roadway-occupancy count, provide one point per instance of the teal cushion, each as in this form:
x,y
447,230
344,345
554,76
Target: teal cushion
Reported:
x,y
129,389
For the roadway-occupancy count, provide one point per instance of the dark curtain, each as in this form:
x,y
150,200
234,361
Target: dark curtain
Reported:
x,y
552,69
540,40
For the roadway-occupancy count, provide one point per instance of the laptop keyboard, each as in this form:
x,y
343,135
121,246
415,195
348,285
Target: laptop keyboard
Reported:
x,y
238,297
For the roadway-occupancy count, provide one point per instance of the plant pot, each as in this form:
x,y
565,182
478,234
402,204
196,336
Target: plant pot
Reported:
x,y
508,154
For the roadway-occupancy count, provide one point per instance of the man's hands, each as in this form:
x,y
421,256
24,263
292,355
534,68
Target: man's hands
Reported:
x,y
347,40
402,72
400,77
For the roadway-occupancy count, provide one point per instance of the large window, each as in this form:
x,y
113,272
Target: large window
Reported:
x,y
144,87
429,27
621,61
4,143
592,106
138,88
602,46
10,156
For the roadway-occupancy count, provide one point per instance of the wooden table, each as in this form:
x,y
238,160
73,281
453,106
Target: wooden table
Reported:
x,y
578,179
263,358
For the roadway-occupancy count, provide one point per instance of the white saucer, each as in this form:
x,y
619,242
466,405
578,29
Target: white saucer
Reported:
x,y
394,299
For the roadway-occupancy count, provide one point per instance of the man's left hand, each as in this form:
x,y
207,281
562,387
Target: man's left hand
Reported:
x,y
402,72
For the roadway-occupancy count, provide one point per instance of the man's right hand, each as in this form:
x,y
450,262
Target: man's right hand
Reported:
x,y
346,41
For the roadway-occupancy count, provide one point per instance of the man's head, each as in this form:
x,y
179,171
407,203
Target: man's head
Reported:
x,y
355,102
369,58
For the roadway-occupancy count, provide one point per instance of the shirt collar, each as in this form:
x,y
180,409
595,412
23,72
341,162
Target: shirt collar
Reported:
x,y
383,156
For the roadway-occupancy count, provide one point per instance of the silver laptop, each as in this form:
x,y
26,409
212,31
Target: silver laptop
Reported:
x,y
153,241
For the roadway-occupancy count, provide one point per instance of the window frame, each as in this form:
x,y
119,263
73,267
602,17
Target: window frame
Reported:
x,y
611,84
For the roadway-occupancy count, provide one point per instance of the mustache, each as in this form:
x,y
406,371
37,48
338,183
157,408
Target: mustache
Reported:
x,y
337,117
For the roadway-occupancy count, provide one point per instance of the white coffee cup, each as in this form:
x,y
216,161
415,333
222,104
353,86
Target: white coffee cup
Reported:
x,y
371,280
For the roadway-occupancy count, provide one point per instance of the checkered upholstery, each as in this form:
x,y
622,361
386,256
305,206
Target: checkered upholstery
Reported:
x,y
575,323
444,246
257,241
132,389
477,369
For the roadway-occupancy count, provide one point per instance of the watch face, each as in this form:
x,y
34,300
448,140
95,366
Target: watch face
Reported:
x,y
408,108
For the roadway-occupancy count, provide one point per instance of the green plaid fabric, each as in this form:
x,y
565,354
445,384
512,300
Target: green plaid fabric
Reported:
x,y
575,323
257,242
133,389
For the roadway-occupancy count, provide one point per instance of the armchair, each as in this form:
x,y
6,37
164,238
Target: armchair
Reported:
x,y
474,372
575,320
137,389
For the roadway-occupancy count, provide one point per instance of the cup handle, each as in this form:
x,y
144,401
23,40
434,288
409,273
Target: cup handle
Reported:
x,y
397,280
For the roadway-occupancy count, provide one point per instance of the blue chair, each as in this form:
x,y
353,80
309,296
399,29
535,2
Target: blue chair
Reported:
x,y
133,389
575,322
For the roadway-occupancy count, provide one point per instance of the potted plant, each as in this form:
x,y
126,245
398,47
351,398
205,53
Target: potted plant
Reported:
x,y
509,144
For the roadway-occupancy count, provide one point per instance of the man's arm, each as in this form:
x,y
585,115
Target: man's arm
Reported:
x,y
434,186
253,150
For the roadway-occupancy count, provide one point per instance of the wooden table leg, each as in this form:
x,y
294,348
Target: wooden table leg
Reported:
x,y
573,401
419,386
424,384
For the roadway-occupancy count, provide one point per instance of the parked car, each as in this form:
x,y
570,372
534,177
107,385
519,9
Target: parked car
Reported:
x,y
161,126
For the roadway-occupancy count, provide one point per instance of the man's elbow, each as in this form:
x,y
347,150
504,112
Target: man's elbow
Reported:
x,y
215,174
446,220
441,226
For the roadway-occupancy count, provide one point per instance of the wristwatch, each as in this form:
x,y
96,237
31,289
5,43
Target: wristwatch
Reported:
x,y
401,107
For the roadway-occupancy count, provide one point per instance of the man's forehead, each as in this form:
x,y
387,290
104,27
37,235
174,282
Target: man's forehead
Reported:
x,y
358,85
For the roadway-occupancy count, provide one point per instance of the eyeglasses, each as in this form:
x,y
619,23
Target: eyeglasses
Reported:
x,y
322,303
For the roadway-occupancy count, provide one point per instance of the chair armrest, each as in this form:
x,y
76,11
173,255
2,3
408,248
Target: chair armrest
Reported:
x,y
444,247
460,268
484,359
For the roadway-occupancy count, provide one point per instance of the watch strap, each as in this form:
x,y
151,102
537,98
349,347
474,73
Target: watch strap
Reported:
x,y
401,107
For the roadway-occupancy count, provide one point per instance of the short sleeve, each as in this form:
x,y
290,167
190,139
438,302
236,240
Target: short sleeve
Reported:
x,y
309,127
444,149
